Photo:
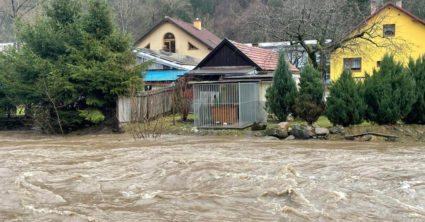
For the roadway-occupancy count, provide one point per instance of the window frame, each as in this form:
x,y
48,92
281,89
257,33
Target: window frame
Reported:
x,y
393,29
169,42
350,64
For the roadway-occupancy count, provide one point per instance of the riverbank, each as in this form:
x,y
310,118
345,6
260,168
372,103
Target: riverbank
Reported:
x,y
405,133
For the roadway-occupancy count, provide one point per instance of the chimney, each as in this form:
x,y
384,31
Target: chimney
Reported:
x,y
399,4
198,24
373,6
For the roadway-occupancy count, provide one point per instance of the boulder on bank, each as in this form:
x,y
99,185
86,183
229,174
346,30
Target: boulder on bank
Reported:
x,y
284,127
321,133
276,132
300,133
337,130
291,137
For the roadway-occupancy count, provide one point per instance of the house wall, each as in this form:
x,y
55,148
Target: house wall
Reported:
x,y
156,41
409,38
264,85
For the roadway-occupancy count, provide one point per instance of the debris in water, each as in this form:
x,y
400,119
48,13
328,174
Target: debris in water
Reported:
x,y
287,209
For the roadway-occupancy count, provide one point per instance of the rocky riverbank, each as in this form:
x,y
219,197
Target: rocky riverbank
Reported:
x,y
296,130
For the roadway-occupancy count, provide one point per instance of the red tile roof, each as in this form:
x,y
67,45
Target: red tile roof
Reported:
x,y
204,36
265,58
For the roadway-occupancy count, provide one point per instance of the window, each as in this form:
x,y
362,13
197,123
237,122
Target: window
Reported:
x,y
169,43
378,64
192,47
389,30
148,46
354,64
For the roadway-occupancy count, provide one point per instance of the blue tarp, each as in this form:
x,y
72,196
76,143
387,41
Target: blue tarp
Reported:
x,y
159,76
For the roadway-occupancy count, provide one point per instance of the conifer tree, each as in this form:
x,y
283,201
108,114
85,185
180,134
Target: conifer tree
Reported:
x,y
389,92
345,105
309,104
72,66
417,70
283,91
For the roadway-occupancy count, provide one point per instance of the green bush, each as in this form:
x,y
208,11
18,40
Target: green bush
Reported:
x,y
417,70
389,92
283,91
309,104
345,105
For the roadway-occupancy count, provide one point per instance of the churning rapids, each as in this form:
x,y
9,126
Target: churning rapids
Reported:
x,y
114,178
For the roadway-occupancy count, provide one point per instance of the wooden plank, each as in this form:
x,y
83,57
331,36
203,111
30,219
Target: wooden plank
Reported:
x,y
352,137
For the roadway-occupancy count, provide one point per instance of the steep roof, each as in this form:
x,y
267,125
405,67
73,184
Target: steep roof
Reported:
x,y
263,59
414,17
204,36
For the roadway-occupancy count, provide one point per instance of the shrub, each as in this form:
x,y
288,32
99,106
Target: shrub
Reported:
x,y
309,104
283,91
417,70
345,105
389,93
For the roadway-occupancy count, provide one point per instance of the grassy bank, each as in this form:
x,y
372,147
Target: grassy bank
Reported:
x,y
406,133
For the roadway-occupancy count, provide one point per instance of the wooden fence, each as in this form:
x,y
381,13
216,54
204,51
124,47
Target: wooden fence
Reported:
x,y
146,105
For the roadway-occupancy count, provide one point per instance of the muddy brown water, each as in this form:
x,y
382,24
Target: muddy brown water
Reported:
x,y
114,178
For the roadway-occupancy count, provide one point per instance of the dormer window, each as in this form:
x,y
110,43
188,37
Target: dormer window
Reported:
x,y
169,43
389,30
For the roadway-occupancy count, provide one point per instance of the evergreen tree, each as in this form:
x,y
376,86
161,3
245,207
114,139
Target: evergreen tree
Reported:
x,y
345,105
389,93
309,104
72,66
283,91
417,70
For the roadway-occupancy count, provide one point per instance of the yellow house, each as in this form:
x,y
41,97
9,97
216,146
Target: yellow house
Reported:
x,y
393,30
176,36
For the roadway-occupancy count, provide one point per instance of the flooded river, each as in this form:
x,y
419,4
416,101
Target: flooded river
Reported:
x,y
114,178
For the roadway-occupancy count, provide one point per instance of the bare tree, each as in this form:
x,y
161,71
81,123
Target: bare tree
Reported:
x,y
182,100
332,24
126,12
11,10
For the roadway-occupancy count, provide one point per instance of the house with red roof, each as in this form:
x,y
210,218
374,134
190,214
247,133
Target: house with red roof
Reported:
x,y
175,36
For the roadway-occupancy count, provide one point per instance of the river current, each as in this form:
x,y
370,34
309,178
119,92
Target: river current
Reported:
x,y
114,178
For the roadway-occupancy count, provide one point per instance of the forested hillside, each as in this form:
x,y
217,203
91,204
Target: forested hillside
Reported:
x,y
241,20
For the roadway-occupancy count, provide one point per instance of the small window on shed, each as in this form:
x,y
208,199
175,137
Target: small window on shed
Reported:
x,y
192,47
389,30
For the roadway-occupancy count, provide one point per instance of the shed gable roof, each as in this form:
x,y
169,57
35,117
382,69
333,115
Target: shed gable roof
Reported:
x,y
204,36
262,59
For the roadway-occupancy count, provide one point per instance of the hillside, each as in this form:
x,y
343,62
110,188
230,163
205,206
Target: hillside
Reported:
x,y
240,20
